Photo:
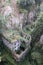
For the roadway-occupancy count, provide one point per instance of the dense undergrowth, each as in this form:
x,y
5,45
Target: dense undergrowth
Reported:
x,y
35,54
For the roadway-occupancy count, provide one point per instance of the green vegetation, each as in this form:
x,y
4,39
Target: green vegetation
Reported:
x,y
35,54
38,31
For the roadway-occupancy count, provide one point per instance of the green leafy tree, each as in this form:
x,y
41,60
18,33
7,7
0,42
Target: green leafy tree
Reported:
x,y
38,30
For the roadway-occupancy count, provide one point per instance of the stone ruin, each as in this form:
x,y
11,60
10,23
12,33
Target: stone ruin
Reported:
x,y
18,48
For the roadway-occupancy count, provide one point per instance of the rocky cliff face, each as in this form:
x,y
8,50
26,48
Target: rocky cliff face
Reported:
x,y
15,19
11,14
